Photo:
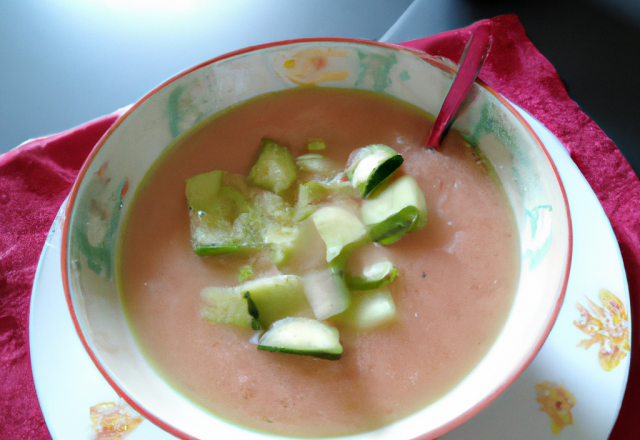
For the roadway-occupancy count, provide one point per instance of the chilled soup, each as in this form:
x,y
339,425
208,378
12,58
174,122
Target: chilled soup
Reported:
x,y
456,276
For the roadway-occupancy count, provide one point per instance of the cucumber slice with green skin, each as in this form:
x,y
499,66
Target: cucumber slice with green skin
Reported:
x,y
257,303
397,226
373,277
326,292
224,305
302,336
277,297
275,168
371,166
369,310
340,229
395,210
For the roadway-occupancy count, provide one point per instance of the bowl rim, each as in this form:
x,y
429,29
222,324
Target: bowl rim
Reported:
x,y
438,62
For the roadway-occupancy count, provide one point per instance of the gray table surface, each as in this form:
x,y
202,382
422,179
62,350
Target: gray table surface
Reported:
x,y
64,62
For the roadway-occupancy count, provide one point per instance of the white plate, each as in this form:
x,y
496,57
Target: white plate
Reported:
x,y
68,383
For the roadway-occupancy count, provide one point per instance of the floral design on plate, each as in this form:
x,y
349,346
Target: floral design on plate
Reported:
x,y
609,326
556,401
113,421
312,66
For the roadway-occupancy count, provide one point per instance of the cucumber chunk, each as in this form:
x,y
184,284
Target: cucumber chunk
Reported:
x,y
222,217
228,215
373,277
257,303
395,210
326,292
372,165
315,144
225,305
369,310
313,194
393,228
340,229
307,252
302,336
280,226
317,167
275,168
202,190
280,239
246,273
277,297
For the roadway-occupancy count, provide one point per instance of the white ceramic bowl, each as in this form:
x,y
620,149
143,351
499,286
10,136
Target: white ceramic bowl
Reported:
x,y
138,138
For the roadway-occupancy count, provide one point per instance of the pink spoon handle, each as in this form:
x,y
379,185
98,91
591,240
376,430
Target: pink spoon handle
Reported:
x,y
471,62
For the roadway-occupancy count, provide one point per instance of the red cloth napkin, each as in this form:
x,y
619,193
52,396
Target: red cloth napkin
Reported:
x,y
36,177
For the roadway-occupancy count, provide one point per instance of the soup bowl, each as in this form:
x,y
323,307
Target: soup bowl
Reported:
x,y
103,195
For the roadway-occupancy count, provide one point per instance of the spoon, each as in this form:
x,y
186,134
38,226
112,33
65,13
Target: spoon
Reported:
x,y
473,56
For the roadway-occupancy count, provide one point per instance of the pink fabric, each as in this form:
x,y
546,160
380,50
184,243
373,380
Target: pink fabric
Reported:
x,y
35,179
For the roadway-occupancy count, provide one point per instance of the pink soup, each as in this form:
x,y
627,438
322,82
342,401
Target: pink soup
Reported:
x,y
456,283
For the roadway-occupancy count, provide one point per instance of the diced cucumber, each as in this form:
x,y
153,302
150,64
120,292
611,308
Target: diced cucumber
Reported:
x,y
222,217
317,165
280,226
231,203
228,215
373,277
257,303
277,297
372,165
340,229
275,168
315,144
302,336
246,273
369,310
312,194
275,208
395,227
307,251
202,190
225,305
395,210
315,192
326,292
280,239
